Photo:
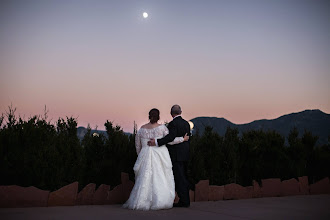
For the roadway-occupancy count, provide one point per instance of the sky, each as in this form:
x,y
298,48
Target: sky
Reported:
x,y
99,60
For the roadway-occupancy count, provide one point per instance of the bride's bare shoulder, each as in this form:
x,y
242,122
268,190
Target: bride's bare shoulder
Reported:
x,y
145,126
150,126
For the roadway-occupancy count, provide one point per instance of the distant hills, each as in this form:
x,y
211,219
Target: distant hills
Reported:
x,y
315,121
81,131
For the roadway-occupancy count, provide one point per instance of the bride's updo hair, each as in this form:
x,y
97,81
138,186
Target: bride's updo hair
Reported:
x,y
153,115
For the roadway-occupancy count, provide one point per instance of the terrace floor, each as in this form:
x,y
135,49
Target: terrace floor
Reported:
x,y
291,207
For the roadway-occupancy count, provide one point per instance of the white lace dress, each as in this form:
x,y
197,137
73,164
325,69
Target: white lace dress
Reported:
x,y
154,182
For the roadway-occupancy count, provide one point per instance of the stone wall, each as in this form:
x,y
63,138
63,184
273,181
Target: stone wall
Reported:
x,y
16,196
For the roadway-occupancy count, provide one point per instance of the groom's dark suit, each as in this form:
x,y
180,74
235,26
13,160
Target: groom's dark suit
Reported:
x,y
179,154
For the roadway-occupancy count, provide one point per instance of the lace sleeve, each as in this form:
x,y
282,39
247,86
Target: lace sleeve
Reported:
x,y
138,145
176,140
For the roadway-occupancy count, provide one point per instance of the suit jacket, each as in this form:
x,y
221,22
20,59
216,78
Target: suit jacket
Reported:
x,y
178,127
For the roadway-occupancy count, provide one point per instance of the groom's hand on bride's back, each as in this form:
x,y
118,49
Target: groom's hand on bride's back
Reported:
x,y
186,137
151,142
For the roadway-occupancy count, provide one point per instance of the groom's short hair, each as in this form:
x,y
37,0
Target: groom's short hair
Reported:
x,y
176,110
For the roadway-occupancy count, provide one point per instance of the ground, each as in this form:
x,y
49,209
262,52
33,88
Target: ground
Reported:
x,y
291,207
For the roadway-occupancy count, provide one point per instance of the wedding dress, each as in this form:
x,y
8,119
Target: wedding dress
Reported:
x,y
154,186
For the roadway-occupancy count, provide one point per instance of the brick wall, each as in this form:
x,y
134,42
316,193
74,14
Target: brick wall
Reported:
x,y
17,196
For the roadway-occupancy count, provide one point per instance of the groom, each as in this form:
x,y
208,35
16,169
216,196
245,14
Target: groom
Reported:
x,y
179,154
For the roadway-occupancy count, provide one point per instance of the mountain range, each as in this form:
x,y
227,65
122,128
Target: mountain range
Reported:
x,y
314,121
81,131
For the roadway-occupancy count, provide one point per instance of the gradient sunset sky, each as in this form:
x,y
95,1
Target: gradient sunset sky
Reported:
x,y
100,60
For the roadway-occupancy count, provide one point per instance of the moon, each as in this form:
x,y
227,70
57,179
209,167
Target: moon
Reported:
x,y
145,14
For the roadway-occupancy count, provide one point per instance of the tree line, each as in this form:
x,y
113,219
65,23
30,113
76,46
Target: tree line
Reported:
x,y
256,155
36,152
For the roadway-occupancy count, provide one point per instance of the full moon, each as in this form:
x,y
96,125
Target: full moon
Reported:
x,y
145,14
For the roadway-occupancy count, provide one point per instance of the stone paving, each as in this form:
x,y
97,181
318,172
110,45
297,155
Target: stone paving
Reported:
x,y
290,207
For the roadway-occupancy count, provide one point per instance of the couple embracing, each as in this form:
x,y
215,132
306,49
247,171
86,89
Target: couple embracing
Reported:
x,y
160,168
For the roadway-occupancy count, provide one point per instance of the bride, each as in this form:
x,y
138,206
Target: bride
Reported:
x,y
154,182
